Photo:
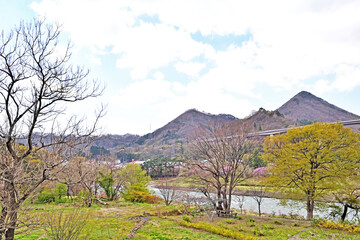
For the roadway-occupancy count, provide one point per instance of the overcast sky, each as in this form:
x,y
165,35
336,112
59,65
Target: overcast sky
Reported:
x,y
159,58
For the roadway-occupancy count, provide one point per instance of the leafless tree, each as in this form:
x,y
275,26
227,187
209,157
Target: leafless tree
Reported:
x,y
241,201
186,199
36,84
88,173
221,159
258,194
168,192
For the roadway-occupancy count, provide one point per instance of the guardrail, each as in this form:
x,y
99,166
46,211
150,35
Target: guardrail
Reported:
x,y
284,130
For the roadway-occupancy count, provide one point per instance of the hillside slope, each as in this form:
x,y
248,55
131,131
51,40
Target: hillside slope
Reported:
x,y
305,105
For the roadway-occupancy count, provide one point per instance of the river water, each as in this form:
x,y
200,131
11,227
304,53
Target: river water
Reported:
x,y
272,205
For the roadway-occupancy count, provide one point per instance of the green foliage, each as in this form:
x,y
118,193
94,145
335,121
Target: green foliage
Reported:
x,y
65,225
256,161
98,151
340,226
135,189
106,182
312,161
304,122
57,195
60,190
139,193
46,196
83,194
186,218
133,175
258,232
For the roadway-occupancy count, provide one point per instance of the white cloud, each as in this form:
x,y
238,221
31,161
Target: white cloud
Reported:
x,y
290,43
190,68
347,78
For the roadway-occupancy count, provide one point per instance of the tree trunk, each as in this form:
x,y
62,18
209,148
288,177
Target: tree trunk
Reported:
x,y
310,208
259,208
2,221
343,216
219,200
226,205
11,208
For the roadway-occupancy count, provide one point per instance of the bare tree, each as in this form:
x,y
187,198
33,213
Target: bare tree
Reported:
x,y
221,159
88,173
241,201
36,84
258,194
168,192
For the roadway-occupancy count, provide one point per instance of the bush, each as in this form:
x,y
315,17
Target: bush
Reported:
x,y
139,193
46,196
338,226
141,197
186,218
65,225
60,190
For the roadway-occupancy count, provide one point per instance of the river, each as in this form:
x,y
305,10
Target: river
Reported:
x,y
272,205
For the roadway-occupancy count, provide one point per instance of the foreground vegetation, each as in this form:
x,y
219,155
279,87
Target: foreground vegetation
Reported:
x,y
116,221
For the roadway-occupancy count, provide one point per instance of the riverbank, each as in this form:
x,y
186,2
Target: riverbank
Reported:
x,y
124,220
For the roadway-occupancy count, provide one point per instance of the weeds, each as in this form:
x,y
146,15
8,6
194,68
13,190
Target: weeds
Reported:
x,y
65,225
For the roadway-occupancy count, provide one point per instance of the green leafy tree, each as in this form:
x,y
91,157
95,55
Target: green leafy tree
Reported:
x,y
312,161
60,190
133,175
134,189
106,182
256,161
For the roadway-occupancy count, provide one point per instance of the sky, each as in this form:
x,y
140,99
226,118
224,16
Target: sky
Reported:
x,y
159,58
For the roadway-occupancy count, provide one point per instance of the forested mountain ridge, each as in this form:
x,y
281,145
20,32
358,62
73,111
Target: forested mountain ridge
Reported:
x,y
169,140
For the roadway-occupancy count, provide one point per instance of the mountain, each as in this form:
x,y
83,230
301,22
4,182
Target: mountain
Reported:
x,y
304,106
184,125
113,140
267,120
172,139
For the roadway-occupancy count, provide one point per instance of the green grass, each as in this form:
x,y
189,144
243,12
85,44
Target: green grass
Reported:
x,y
116,220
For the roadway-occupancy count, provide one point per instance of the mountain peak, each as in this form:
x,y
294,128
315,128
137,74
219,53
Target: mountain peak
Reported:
x,y
306,106
305,94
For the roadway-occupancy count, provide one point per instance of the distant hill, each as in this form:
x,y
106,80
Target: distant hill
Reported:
x,y
171,140
113,140
306,106
267,120
184,126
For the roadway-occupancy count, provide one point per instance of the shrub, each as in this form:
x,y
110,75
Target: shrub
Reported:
x,y
46,196
139,193
141,197
60,190
338,226
65,225
186,218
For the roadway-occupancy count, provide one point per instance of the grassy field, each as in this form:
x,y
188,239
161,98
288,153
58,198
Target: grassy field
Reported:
x,y
116,221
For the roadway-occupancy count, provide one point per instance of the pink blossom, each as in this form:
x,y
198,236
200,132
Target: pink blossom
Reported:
x,y
259,172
